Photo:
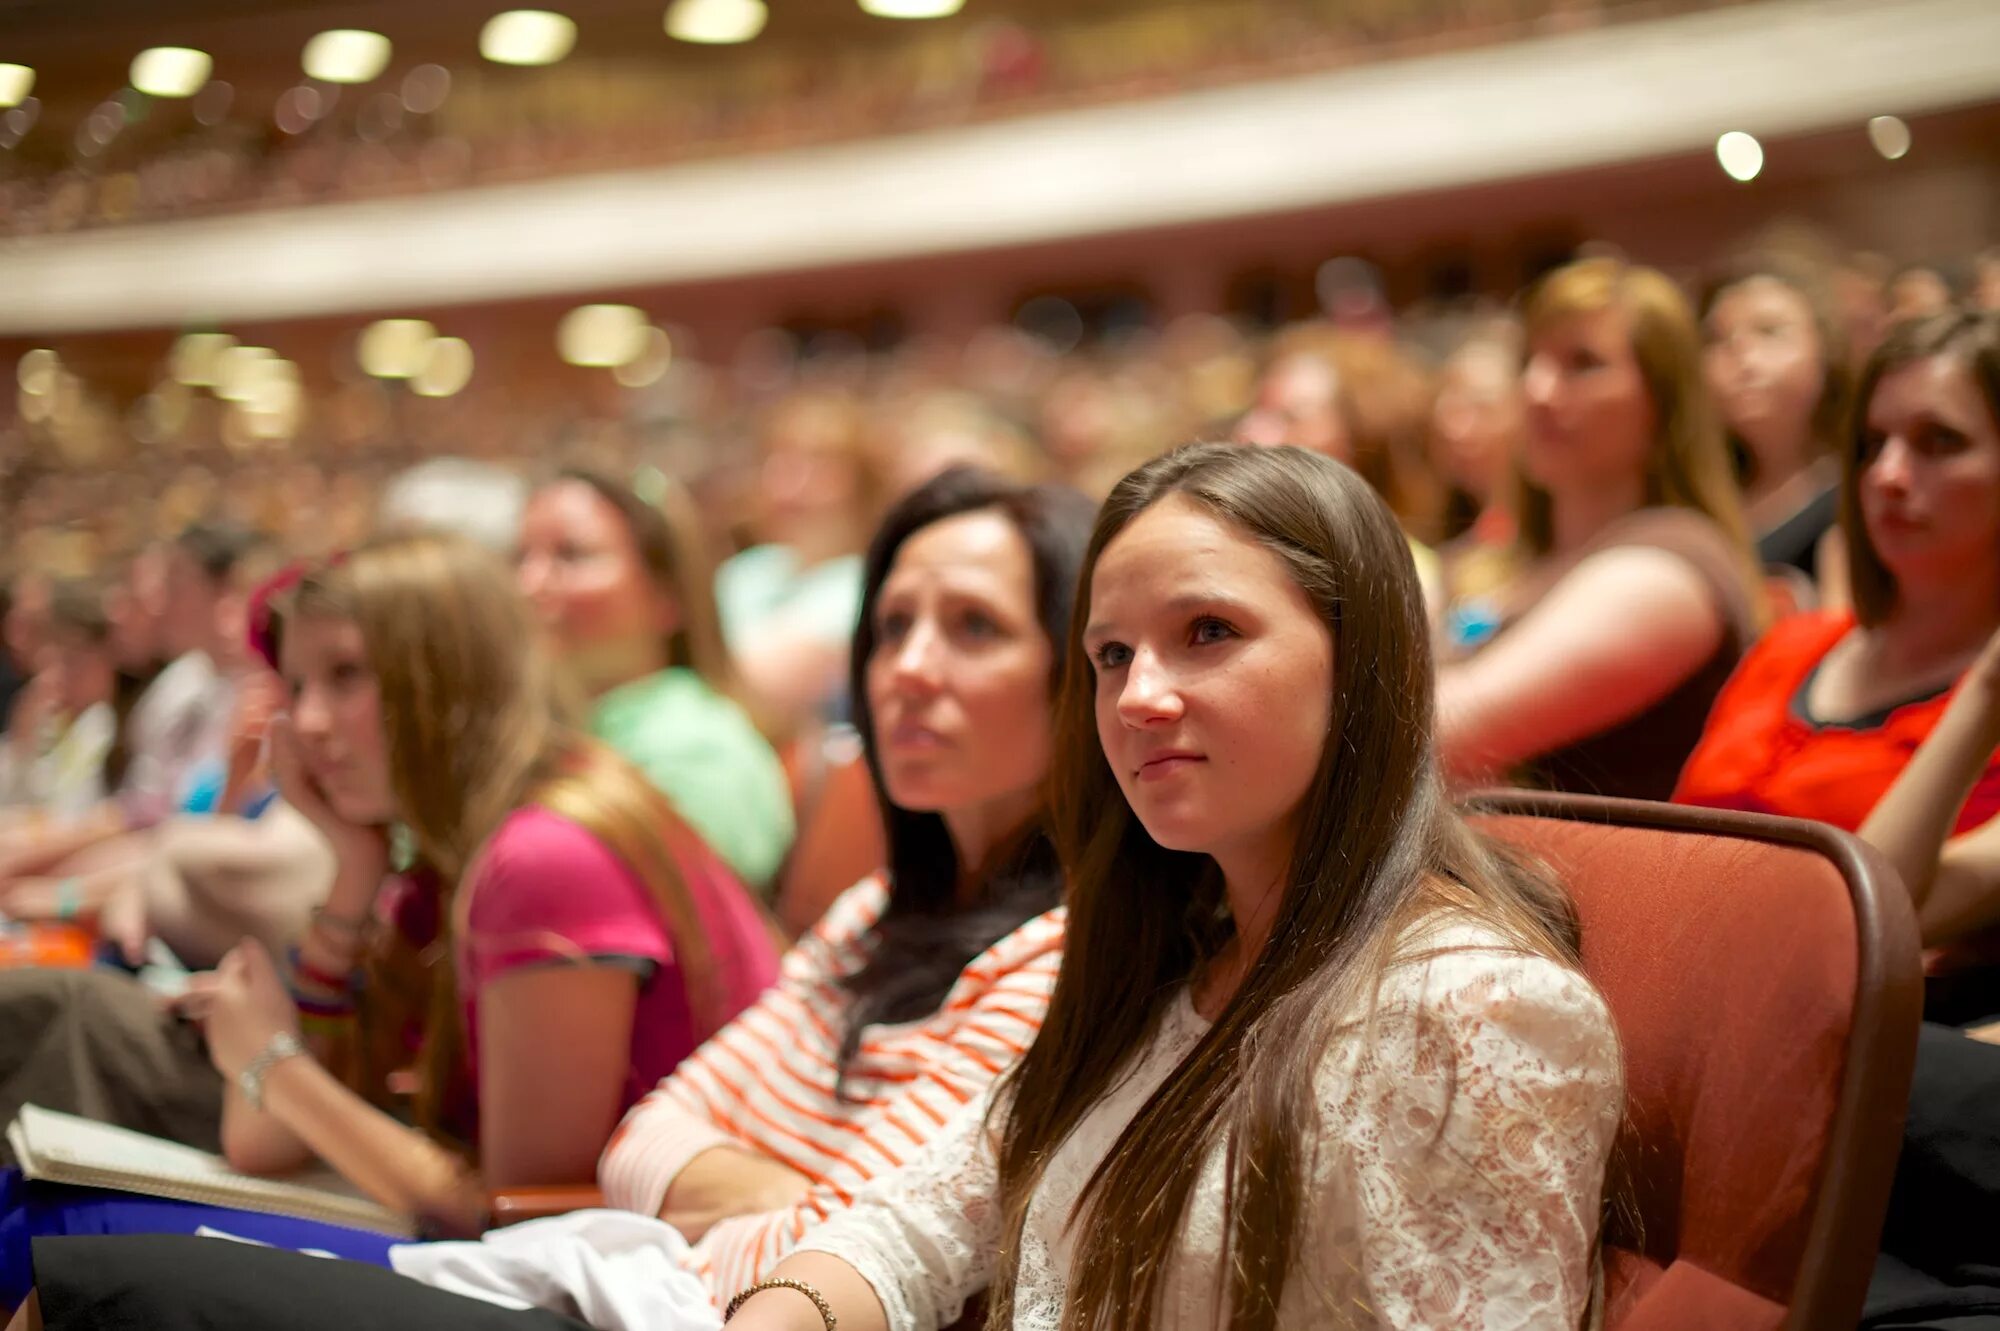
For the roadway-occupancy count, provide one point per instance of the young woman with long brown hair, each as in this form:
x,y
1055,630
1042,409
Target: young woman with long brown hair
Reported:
x,y
565,942
1317,1055
1633,589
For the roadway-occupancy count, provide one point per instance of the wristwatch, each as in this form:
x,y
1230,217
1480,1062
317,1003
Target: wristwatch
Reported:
x,y
250,1081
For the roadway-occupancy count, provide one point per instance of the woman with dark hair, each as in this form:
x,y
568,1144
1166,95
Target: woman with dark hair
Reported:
x,y
900,1006
1318,1055
624,590
1776,361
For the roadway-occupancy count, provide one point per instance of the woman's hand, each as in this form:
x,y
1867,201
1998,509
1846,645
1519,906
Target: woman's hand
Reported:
x,y
362,850
242,1005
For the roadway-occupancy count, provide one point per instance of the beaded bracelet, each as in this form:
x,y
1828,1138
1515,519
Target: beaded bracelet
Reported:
x,y
325,981
798,1286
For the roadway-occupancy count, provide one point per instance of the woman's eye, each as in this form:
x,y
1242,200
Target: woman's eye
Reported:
x,y
892,627
1112,655
978,624
1939,439
1212,630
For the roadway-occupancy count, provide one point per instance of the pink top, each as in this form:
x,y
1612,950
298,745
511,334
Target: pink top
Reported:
x,y
545,891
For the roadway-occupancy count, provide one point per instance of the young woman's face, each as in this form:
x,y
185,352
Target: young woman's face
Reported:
x,y
1298,403
582,571
1764,360
1476,421
958,680
336,708
1214,679
1591,420
86,673
1930,481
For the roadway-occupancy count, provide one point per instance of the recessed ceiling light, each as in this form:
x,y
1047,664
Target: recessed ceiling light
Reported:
x,y
171,71
1890,135
1741,156
16,82
346,55
602,335
716,22
527,37
912,8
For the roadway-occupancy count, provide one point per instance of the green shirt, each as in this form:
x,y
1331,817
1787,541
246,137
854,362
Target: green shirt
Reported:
x,y
701,750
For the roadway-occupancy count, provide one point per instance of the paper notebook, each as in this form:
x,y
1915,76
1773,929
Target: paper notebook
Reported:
x,y
62,1148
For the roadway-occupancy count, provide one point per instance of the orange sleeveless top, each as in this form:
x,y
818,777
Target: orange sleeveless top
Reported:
x,y
1761,751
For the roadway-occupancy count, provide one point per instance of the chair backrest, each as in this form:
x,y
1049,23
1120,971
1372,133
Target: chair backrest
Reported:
x,y
1763,974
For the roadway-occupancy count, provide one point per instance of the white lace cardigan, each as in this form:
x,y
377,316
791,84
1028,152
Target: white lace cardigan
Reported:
x,y
1458,1182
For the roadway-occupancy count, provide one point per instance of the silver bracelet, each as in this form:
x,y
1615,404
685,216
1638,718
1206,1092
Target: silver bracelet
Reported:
x,y
250,1080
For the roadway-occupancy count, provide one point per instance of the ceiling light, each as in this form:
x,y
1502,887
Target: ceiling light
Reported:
x,y
912,8
240,370
527,37
716,22
37,371
1890,135
396,348
346,55
447,368
602,335
197,358
16,82
1741,156
171,71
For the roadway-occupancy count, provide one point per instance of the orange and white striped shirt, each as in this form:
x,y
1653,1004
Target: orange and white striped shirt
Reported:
x,y
765,1083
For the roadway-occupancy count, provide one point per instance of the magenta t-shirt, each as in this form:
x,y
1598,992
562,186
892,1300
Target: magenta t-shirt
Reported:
x,y
545,891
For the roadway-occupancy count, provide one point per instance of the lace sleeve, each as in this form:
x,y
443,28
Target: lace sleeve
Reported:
x,y
925,1236
1480,1129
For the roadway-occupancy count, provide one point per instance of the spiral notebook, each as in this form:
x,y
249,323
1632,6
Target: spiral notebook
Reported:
x,y
62,1148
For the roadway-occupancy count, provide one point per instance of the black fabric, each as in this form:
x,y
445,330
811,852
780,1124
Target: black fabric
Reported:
x,y
1940,1262
1795,539
175,1283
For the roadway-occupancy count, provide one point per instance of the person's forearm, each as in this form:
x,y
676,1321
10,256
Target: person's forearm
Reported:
x,y
1912,822
722,1182
396,1165
31,852
853,1300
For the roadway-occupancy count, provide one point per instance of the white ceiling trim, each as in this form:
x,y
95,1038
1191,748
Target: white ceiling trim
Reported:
x,y
1528,108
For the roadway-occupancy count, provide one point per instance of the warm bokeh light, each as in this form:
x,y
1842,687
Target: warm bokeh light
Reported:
x,y
16,82
656,354
396,348
447,368
241,370
716,22
912,8
1890,135
171,71
37,372
346,55
197,358
527,37
602,336
1741,156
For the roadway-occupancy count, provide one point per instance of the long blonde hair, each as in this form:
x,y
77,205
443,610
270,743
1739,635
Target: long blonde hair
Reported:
x,y
1378,845
477,725
1688,466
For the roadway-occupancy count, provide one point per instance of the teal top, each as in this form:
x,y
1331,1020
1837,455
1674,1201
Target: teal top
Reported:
x,y
702,751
